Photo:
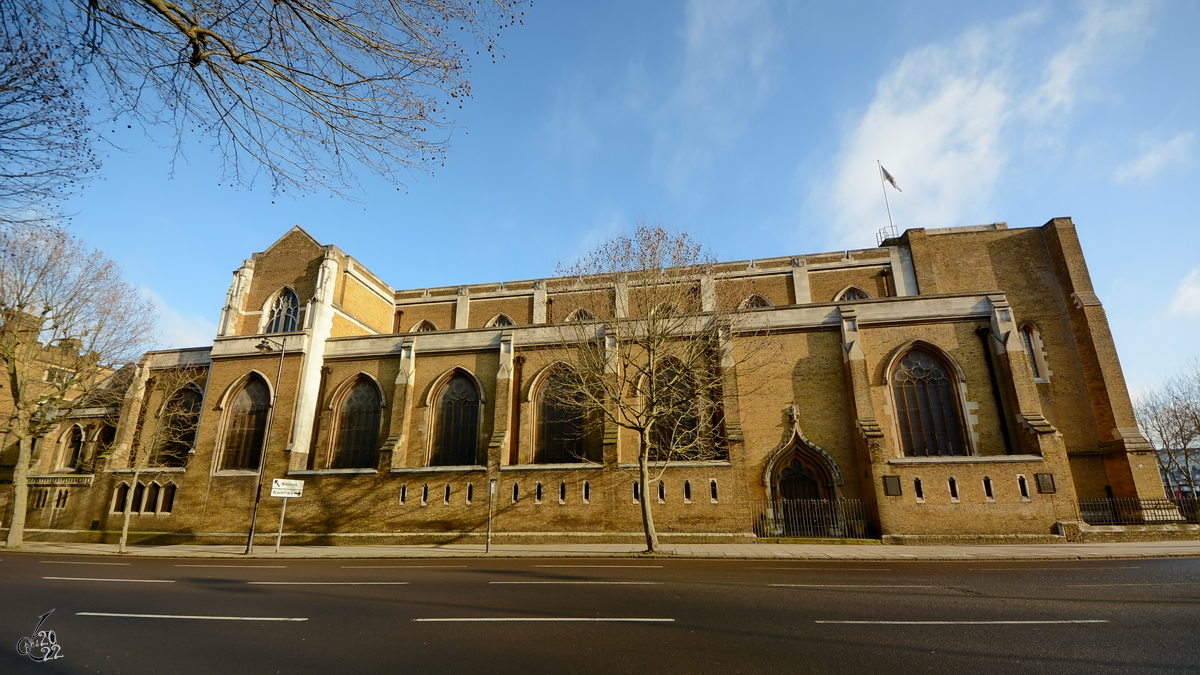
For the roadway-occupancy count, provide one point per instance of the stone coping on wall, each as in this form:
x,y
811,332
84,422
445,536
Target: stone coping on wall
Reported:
x,y
85,480
679,465
972,459
154,469
552,467
439,469
329,472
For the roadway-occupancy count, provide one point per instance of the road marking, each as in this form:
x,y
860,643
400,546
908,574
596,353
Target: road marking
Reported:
x,y
581,583
965,623
136,581
1163,583
78,562
847,586
550,618
328,583
187,616
826,569
657,567
239,566
1043,568
400,566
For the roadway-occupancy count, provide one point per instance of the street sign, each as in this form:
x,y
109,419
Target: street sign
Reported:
x,y
284,487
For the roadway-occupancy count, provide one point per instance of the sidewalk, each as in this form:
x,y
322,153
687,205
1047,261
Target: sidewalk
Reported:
x,y
1161,549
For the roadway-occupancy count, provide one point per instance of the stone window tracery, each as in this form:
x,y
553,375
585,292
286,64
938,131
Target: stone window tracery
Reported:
x,y
457,430
285,313
357,436
926,406
245,430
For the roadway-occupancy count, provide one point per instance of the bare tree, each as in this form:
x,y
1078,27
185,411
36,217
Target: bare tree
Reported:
x,y
304,91
176,397
1170,417
45,138
68,319
659,361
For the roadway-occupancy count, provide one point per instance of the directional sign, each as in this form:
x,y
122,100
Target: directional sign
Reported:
x,y
283,487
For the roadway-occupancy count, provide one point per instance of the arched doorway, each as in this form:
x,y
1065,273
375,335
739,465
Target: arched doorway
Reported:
x,y
797,481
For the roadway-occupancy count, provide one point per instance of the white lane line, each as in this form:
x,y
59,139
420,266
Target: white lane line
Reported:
x,y
78,562
1163,583
847,586
551,618
826,569
136,581
328,583
579,583
656,567
400,566
188,616
964,623
239,566
1044,568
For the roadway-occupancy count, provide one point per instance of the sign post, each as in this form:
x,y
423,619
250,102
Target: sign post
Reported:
x,y
487,548
283,487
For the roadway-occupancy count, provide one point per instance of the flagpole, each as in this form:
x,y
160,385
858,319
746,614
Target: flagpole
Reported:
x,y
883,187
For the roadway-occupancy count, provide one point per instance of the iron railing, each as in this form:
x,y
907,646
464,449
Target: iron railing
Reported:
x,y
1130,511
826,518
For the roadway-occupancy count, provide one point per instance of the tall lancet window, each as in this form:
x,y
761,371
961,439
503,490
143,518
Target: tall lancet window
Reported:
x,y
456,438
358,428
246,429
926,406
285,313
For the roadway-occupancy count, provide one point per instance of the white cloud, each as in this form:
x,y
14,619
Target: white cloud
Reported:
x,y
177,330
727,74
946,118
1187,297
1157,157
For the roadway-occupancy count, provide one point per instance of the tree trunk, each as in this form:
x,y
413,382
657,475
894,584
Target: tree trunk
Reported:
x,y
16,528
644,482
128,511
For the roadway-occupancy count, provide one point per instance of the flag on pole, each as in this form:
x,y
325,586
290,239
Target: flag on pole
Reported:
x,y
889,178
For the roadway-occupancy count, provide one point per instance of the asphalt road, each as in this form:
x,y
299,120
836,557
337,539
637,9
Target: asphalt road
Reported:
x,y
600,615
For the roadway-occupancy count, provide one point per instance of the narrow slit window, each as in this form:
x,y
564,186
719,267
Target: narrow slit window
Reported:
x,y
587,492
687,492
987,489
562,492
120,496
168,498
446,495
425,494
139,495
470,492
60,500
918,489
1030,349
637,492
152,492
712,490
1023,486
952,483
537,492
403,494
662,492
516,495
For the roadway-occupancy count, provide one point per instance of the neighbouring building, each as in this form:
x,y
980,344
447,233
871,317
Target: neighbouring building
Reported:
x,y
958,384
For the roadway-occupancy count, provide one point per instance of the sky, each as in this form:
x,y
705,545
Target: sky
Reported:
x,y
755,126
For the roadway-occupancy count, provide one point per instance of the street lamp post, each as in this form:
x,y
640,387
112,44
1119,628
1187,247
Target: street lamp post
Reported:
x,y
266,346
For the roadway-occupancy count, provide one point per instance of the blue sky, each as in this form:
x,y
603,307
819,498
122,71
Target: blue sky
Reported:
x,y
754,126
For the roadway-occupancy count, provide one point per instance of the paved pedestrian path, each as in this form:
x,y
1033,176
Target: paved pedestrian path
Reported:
x,y
1161,549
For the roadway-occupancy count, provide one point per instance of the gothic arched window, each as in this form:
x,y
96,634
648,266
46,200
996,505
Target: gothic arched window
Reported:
x,y
178,427
676,433
560,421
285,313
246,427
501,321
425,326
1033,347
756,301
852,293
357,427
926,406
456,435
72,449
581,314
